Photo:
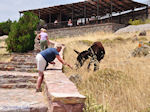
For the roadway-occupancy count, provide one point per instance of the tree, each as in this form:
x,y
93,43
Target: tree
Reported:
x,y
21,36
5,27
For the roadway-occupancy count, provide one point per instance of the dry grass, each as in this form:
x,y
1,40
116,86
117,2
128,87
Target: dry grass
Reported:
x,y
4,55
123,82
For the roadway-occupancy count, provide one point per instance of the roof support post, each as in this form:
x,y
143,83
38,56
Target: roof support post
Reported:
x,y
147,12
72,14
20,14
97,10
50,19
39,19
39,14
85,12
111,9
119,18
132,14
60,17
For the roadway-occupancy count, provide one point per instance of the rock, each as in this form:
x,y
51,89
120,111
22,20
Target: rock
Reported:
x,y
143,33
133,28
75,78
141,51
135,38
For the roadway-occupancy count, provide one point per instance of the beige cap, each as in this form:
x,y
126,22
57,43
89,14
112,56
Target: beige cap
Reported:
x,y
42,29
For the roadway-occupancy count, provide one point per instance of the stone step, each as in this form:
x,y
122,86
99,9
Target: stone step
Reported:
x,y
33,70
17,63
17,85
17,76
24,60
29,67
16,80
22,100
26,69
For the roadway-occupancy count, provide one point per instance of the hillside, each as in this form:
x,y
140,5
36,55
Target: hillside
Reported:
x,y
122,83
134,28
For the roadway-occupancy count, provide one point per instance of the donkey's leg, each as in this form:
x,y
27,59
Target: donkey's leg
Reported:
x,y
89,65
96,63
91,61
96,66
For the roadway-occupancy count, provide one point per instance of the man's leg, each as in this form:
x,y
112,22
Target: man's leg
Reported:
x,y
41,63
39,80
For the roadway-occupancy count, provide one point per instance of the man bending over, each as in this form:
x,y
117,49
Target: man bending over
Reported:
x,y
44,57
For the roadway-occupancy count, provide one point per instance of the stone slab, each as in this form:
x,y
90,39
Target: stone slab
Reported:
x,y
22,100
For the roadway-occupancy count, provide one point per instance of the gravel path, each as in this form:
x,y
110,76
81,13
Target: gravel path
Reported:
x,y
134,28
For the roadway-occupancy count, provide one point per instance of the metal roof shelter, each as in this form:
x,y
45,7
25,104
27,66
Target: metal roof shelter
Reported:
x,y
85,9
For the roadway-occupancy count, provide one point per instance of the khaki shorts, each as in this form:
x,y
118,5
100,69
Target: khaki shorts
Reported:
x,y
41,62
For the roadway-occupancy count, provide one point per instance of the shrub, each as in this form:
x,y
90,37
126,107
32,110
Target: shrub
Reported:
x,y
138,22
106,41
21,36
92,106
147,21
86,42
5,27
135,22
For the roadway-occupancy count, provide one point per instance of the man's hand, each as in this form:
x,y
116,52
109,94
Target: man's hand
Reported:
x,y
69,66
52,63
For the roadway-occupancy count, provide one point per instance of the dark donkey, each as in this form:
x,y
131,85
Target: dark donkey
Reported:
x,y
96,52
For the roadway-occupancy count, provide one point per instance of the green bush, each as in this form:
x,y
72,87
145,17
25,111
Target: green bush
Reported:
x,y
147,21
92,106
136,22
5,27
21,36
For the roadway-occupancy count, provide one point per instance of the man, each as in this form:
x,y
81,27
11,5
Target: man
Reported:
x,y
47,56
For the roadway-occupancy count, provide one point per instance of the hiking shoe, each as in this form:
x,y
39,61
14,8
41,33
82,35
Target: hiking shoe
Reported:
x,y
38,90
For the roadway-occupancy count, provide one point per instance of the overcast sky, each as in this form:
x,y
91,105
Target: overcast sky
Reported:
x,y
9,9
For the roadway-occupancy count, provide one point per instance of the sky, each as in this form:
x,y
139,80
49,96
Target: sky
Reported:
x,y
9,9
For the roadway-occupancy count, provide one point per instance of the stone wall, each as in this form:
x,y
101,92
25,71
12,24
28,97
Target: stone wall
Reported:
x,y
80,30
62,94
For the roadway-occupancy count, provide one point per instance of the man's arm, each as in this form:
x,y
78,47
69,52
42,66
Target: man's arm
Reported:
x,y
62,61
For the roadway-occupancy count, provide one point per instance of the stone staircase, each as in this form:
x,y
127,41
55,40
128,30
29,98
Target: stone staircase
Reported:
x,y
17,93
19,81
17,87
23,62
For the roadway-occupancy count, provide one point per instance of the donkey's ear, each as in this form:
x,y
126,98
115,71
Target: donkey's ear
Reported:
x,y
76,51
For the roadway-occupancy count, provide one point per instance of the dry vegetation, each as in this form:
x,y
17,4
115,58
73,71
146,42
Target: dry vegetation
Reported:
x,y
122,84
4,55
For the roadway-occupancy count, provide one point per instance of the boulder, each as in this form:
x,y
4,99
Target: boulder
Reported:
x,y
75,78
143,33
141,51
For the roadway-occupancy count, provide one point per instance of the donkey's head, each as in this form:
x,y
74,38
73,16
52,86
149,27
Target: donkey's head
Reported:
x,y
82,57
